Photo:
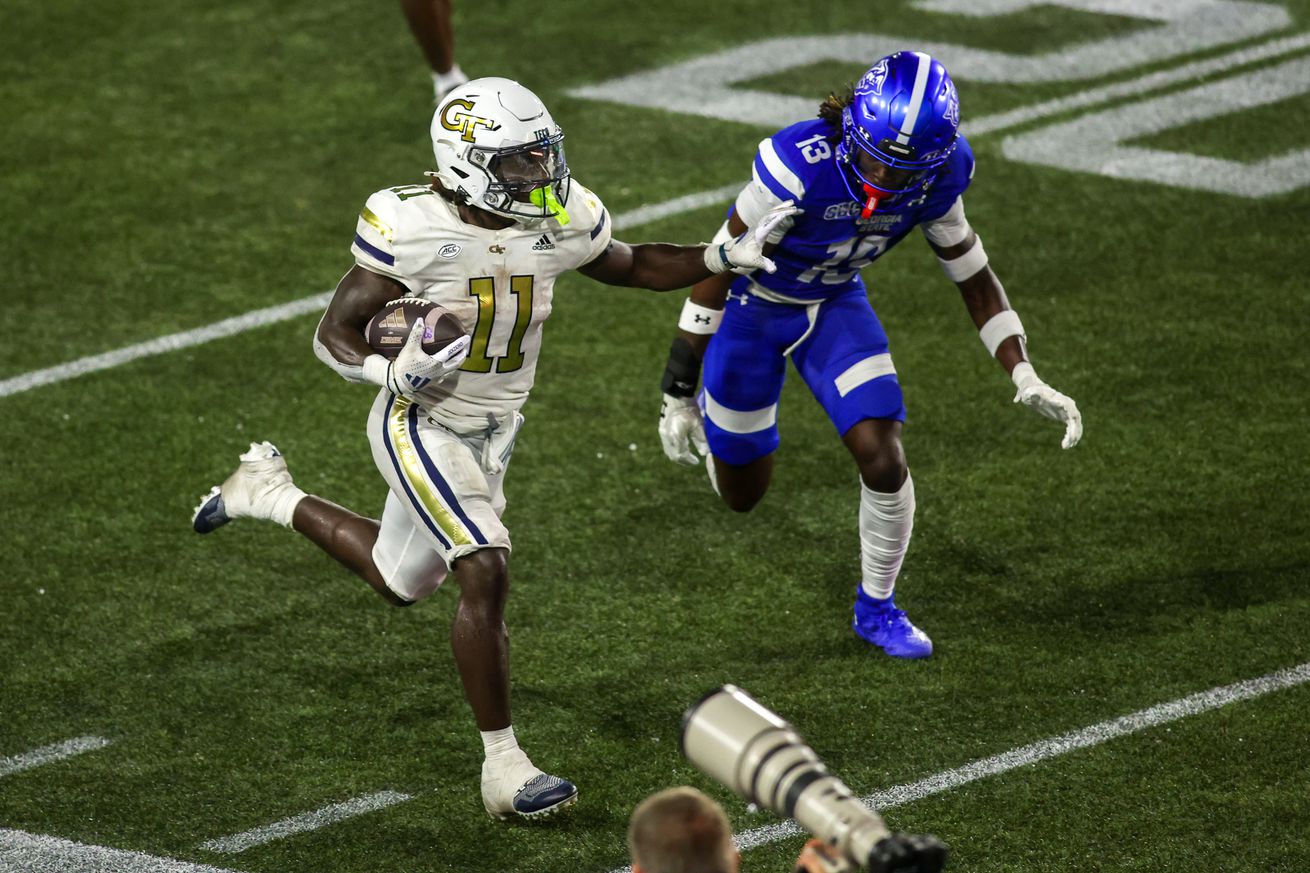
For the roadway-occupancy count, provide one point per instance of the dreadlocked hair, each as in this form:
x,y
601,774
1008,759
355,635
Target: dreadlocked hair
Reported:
x,y
443,192
830,110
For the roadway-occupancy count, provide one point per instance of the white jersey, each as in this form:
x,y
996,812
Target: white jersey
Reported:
x,y
499,283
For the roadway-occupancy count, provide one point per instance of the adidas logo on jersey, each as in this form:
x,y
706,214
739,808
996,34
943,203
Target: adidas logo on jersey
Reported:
x,y
543,244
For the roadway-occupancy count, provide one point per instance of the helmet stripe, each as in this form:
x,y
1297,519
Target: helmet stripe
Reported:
x,y
916,98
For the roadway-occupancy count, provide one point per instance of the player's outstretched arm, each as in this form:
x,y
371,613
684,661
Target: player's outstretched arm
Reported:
x,y
663,267
963,259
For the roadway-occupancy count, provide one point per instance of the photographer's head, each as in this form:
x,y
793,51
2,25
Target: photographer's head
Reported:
x,y
680,830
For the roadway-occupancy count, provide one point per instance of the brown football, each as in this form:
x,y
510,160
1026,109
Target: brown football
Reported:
x,y
387,331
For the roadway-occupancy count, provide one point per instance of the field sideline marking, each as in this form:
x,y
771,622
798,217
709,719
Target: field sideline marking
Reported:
x,y
1024,756
49,754
308,821
652,212
21,852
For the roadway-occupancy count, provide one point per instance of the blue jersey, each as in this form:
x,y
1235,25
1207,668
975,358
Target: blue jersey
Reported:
x,y
823,251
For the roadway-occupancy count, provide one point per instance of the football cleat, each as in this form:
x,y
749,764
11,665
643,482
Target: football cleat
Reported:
x,y
519,788
881,623
260,487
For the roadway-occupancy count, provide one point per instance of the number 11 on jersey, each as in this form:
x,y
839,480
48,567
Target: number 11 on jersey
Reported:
x,y
484,289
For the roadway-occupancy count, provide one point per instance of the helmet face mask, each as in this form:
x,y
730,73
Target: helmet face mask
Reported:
x,y
518,171
900,126
498,149
883,176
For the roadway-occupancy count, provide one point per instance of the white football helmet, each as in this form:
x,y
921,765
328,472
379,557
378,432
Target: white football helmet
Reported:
x,y
497,148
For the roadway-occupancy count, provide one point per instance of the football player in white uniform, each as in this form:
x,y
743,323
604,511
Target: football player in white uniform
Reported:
x,y
486,240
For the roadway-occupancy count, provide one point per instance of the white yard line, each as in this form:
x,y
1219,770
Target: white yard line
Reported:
x,y
49,754
21,852
309,821
656,211
171,343
678,205
1134,87
1025,756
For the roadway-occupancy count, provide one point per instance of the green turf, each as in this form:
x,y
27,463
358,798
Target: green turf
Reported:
x,y
169,166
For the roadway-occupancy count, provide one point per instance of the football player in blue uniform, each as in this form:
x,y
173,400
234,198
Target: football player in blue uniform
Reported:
x,y
879,161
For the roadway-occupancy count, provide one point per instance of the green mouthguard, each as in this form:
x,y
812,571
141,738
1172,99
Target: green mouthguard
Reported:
x,y
545,199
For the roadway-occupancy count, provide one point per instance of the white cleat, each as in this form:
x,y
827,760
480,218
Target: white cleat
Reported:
x,y
260,487
519,788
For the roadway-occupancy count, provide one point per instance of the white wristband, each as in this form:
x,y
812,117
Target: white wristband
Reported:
x,y
716,258
999,328
375,370
699,319
967,264
1024,375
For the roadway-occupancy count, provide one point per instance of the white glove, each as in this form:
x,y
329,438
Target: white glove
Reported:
x,y
1036,394
681,428
745,254
414,373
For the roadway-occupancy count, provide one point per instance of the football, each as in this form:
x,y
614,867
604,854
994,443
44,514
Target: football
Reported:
x,y
387,331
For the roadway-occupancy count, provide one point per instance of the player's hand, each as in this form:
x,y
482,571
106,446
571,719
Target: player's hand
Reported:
x,y
681,429
745,254
1036,394
414,373
816,857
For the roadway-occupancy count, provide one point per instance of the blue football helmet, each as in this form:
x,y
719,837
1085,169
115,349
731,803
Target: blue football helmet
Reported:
x,y
900,126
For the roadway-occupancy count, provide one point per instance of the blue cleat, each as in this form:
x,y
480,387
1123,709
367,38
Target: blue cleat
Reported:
x,y
260,487
544,795
521,789
881,623
211,514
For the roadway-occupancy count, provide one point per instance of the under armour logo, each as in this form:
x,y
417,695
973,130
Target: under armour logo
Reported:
x,y
701,319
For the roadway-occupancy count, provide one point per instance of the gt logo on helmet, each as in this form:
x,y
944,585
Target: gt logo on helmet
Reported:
x,y
457,117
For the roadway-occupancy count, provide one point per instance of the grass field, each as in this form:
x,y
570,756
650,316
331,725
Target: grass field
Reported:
x,y
168,166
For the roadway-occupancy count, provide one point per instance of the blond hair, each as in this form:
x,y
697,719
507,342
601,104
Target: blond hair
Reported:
x,y
830,110
680,830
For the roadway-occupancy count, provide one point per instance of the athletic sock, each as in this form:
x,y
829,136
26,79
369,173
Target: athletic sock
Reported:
x,y
284,504
500,744
442,83
886,521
